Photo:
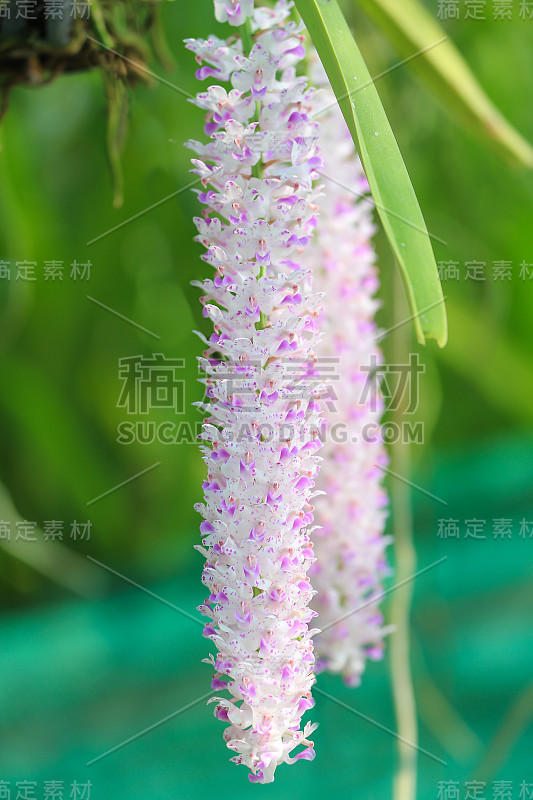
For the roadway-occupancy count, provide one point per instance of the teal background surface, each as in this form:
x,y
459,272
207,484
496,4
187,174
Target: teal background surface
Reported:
x,y
80,678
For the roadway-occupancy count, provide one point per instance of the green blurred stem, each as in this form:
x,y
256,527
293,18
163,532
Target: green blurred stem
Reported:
x,y
247,37
440,716
263,320
99,23
53,559
405,564
515,722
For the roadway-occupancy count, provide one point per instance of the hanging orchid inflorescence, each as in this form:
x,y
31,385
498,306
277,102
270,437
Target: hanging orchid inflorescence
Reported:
x,y
263,387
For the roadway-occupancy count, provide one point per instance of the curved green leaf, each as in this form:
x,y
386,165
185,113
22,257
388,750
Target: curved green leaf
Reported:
x,y
387,175
443,69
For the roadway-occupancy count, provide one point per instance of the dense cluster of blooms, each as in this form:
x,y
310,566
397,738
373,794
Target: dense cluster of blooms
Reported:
x,y
260,436
349,544
264,386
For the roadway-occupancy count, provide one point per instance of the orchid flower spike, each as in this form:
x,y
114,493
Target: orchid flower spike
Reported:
x,y
260,437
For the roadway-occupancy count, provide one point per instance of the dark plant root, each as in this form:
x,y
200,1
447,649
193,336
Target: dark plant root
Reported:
x,y
36,65
121,26
113,40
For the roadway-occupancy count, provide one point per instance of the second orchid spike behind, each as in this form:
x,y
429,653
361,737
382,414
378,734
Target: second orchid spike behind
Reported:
x,y
350,545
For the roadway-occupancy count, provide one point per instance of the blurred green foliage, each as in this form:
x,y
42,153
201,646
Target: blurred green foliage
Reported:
x,y
59,361
59,354
81,678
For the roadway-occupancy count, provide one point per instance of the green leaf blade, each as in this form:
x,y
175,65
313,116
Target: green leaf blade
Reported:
x,y
387,175
412,29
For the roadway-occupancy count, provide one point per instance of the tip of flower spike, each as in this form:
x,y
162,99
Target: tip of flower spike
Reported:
x,y
307,755
232,494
